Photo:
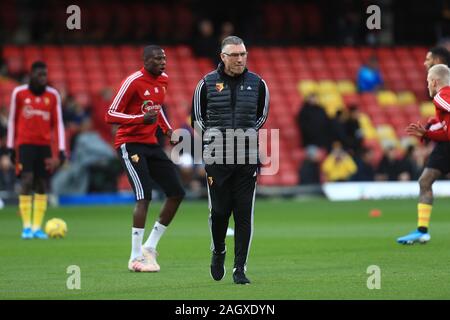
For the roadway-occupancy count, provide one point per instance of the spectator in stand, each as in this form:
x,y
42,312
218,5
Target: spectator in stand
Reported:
x,y
226,30
314,123
410,168
7,172
309,172
352,130
337,128
421,153
92,159
104,98
73,116
205,44
364,163
338,165
369,76
390,167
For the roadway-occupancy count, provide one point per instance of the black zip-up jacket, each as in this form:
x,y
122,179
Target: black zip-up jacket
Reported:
x,y
222,102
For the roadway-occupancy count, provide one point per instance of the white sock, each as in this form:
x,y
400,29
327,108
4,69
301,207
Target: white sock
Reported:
x,y
155,235
137,234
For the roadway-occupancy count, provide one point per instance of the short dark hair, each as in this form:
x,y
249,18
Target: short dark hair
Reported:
x,y
148,50
38,65
442,53
231,40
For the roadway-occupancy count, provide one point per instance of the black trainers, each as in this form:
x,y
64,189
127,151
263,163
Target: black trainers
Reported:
x,y
239,276
218,270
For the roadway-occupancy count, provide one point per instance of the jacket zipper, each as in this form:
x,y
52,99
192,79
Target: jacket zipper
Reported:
x,y
233,105
233,102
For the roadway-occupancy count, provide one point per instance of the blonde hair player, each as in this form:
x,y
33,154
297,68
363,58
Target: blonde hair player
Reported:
x,y
437,129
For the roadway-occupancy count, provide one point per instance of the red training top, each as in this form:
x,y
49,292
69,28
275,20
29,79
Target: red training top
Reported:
x,y
32,118
138,93
439,131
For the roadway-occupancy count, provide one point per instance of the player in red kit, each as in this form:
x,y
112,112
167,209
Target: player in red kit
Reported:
x,y
35,111
438,163
136,108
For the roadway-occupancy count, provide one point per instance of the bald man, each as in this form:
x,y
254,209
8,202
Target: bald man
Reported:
x,y
439,160
137,110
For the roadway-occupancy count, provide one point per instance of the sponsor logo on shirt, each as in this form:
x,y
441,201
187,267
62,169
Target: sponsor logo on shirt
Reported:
x,y
29,112
148,105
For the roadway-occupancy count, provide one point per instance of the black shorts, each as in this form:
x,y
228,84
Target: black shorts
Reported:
x,y
32,159
145,163
440,158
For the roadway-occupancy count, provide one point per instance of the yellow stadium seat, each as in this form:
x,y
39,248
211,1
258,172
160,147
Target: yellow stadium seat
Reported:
x,y
406,98
387,98
327,86
427,109
369,133
367,127
346,87
332,102
306,87
386,131
364,120
387,135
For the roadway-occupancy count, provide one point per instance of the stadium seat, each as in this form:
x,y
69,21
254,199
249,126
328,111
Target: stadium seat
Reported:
x,y
386,97
406,98
368,98
352,99
349,52
15,65
332,102
386,132
346,87
327,87
427,109
306,87
367,127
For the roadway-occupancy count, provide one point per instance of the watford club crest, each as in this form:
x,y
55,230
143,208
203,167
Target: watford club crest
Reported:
x,y
210,181
219,86
135,158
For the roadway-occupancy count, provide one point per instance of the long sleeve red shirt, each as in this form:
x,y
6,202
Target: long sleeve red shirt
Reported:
x,y
32,118
136,95
439,131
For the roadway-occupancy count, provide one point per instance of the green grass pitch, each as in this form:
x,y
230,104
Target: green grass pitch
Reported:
x,y
311,249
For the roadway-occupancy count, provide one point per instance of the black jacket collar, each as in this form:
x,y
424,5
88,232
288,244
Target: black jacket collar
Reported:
x,y
220,70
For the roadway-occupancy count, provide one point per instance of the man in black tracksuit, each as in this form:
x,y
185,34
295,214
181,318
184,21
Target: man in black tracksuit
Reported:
x,y
230,105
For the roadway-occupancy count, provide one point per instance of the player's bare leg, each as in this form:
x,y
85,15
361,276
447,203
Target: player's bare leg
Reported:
x,y
169,209
426,180
166,215
26,182
40,185
140,213
424,207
